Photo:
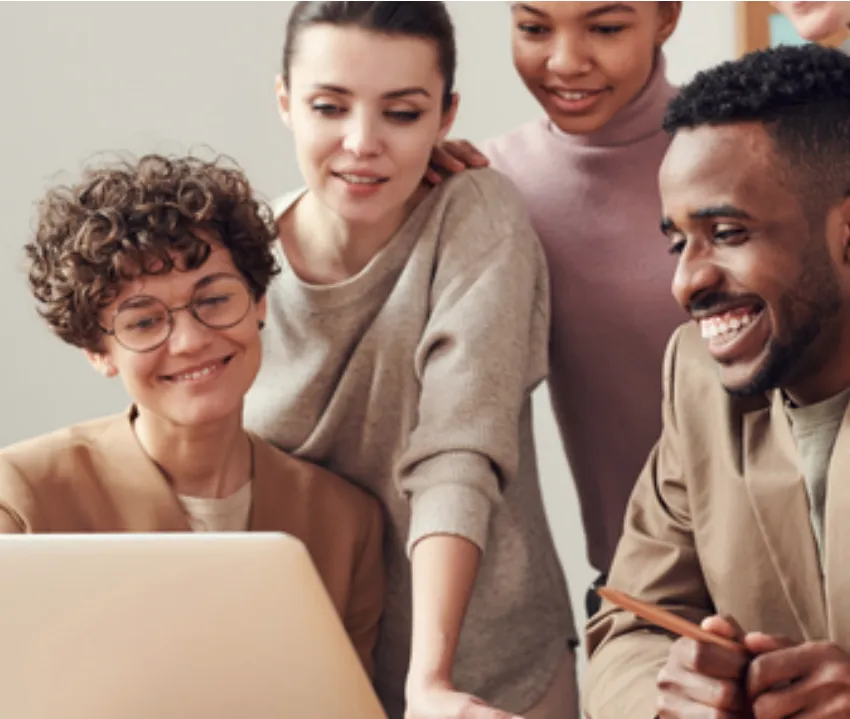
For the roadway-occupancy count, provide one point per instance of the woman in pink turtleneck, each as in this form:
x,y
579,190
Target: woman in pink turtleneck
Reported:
x,y
588,173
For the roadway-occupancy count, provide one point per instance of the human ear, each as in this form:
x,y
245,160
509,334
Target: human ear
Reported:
x,y
668,18
102,363
448,118
282,100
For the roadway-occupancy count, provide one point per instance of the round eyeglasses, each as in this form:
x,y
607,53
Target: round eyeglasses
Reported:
x,y
143,322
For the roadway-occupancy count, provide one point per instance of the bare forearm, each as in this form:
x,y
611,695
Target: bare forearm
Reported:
x,y
443,569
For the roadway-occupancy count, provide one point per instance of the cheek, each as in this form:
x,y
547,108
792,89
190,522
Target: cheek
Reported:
x,y
250,338
412,146
818,23
764,277
314,140
246,334
529,59
628,65
250,341
139,371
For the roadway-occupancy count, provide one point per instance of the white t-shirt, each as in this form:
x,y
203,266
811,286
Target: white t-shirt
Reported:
x,y
227,514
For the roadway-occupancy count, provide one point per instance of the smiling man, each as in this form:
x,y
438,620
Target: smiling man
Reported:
x,y
742,514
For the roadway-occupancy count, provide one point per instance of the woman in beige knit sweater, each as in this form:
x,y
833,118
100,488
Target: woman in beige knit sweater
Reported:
x,y
404,337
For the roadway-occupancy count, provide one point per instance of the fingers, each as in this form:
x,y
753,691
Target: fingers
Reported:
x,y
477,709
709,660
446,703
432,177
759,643
775,665
781,702
724,626
468,153
694,671
721,694
701,679
671,706
454,156
485,712
821,694
805,666
443,157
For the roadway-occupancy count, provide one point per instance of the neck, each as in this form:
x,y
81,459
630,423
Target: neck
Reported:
x,y
324,249
826,375
210,461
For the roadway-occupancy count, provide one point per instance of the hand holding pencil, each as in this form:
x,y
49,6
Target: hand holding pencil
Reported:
x,y
705,668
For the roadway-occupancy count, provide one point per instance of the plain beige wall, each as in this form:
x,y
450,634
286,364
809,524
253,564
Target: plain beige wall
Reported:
x,y
81,78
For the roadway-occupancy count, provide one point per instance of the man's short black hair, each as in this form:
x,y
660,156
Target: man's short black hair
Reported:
x,y
800,94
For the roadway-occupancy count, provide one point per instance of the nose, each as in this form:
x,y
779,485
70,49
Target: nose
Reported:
x,y
570,56
696,274
362,135
188,335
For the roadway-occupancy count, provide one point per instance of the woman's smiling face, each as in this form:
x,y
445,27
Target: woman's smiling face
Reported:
x,y
365,110
198,374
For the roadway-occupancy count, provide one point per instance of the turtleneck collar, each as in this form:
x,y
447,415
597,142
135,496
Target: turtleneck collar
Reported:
x,y
639,119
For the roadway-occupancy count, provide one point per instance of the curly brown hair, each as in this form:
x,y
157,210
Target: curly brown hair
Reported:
x,y
129,219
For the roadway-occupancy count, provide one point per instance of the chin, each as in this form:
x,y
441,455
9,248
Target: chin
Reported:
x,y
578,124
818,24
754,380
743,390
360,215
198,414
367,213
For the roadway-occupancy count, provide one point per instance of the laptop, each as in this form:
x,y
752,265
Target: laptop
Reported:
x,y
172,626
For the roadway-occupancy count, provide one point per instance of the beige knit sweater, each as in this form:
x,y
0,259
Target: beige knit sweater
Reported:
x,y
413,379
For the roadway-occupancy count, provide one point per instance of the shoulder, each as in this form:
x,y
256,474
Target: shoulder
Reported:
x,y
506,149
486,186
282,203
485,207
481,221
485,215
36,468
60,453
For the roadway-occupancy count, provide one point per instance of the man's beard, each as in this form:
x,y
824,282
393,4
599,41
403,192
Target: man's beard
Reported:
x,y
806,310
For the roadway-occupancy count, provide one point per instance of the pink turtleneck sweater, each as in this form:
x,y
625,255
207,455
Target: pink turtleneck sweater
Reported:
x,y
594,202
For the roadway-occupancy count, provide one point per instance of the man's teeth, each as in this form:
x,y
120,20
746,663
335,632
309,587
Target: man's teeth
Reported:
x,y
359,179
725,326
196,375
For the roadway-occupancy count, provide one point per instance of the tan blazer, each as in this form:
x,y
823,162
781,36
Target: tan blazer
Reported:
x,y
719,522
95,477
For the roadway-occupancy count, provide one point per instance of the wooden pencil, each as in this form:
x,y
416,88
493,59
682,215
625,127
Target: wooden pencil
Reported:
x,y
666,620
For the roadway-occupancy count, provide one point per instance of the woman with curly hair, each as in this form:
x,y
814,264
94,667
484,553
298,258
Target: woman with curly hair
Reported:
x,y
158,272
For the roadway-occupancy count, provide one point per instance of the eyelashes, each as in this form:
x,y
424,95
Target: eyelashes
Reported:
x,y
331,110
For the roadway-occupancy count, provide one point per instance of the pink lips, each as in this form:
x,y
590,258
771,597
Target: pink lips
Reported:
x,y
583,100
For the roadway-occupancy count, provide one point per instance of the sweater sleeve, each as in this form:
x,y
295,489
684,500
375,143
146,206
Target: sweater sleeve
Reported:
x,y
484,348
656,561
